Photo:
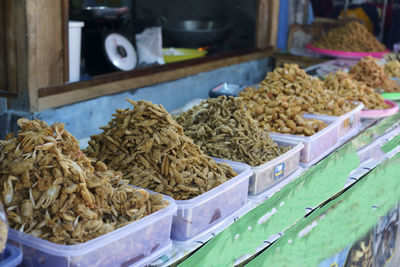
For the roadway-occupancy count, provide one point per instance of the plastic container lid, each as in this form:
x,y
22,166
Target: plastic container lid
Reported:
x,y
12,256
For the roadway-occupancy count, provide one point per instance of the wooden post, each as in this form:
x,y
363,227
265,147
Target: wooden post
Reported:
x,y
267,23
65,34
262,24
37,36
8,64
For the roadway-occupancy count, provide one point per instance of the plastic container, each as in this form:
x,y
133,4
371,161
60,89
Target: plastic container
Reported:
x,y
3,230
373,150
11,257
197,215
276,170
137,243
173,54
74,44
269,192
216,228
317,144
349,121
228,89
380,113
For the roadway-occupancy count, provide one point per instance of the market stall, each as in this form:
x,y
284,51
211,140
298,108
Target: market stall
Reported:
x,y
259,193
221,160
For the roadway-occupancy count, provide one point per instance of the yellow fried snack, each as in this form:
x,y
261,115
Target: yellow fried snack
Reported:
x,y
368,71
352,37
392,68
342,84
285,95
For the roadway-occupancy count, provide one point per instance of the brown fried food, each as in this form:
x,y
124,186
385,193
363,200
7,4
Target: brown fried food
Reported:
x,y
223,128
285,95
352,37
150,149
341,84
368,71
51,190
392,68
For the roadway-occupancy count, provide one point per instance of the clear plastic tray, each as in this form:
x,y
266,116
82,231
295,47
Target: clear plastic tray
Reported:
x,y
12,257
317,144
266,194
373,150
200,213
276,170
228,89
216,228
349,121
3,230
136,244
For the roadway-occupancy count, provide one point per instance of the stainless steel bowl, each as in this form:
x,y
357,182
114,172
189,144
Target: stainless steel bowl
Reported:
x,y
105,12
194,33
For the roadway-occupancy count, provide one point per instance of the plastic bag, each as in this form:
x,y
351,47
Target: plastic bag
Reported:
x,y
149,46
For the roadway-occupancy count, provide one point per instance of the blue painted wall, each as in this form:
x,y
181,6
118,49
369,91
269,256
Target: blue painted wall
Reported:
x,y
84,119
3,104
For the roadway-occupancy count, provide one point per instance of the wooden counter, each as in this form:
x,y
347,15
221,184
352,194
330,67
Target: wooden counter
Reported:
x,y
117,82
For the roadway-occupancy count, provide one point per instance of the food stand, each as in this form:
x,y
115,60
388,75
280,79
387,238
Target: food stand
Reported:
x,y
296,171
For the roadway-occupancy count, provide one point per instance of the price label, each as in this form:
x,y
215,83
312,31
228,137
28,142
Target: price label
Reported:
x,y
279,171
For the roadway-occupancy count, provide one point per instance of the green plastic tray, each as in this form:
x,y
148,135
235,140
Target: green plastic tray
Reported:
x,y
391,96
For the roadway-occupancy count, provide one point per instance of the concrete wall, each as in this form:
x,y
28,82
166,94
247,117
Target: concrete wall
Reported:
x,y
84,119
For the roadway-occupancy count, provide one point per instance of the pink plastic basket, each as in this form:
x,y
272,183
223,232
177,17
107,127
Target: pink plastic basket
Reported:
x,y
380,113
345,54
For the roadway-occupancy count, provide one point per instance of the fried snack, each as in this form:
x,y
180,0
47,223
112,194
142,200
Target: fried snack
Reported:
x,y
341,84
298,88
391,56
352,37
285,95
51,190
368,71
222,128
392,68
150,149
276,116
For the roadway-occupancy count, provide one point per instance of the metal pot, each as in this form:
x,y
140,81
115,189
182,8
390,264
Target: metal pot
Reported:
x,y
105,12
194,33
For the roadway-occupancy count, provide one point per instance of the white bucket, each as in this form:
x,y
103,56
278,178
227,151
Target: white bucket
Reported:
x,y
74,43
